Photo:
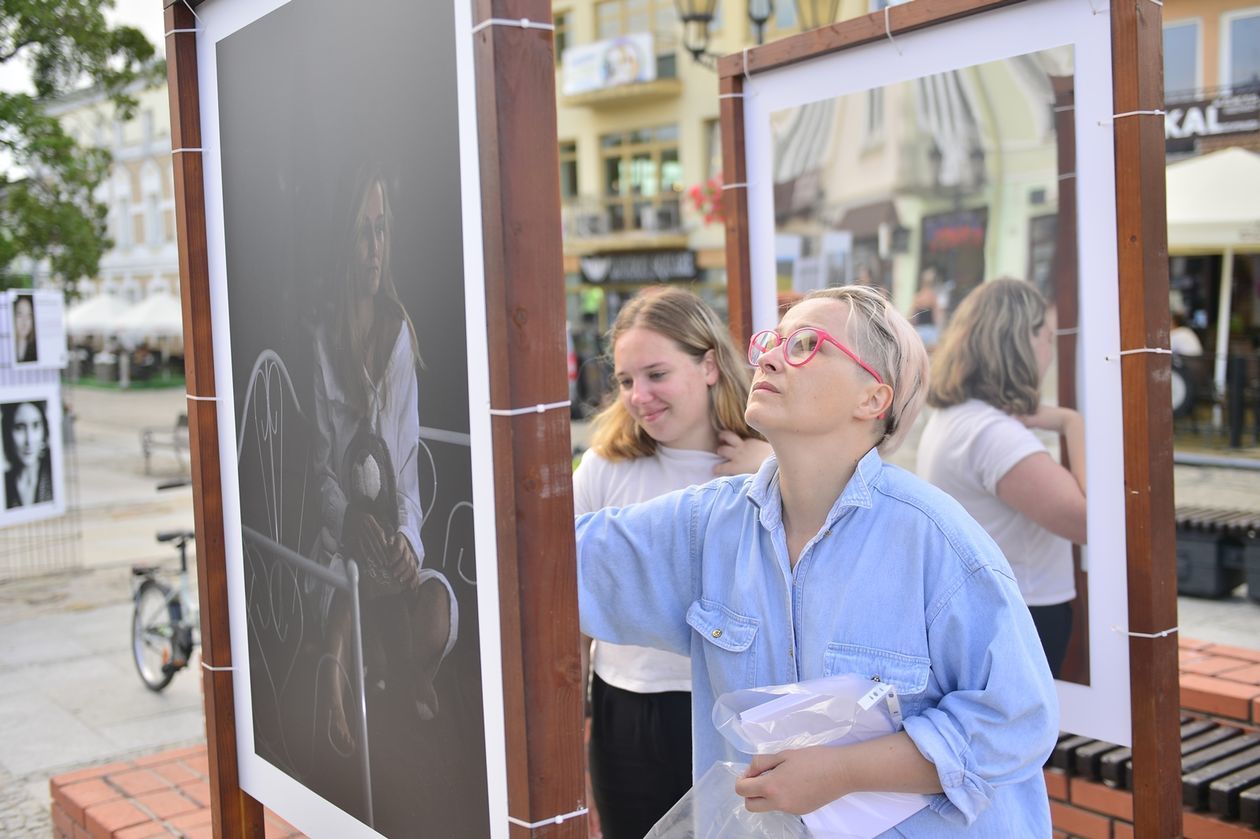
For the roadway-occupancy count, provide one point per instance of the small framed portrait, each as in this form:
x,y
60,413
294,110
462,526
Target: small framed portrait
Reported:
x,y
30,430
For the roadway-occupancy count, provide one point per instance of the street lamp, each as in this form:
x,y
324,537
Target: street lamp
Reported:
x,y
816,13
759,11
696,15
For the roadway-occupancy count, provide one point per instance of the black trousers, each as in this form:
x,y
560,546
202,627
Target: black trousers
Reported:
x,y
640,756
1054,626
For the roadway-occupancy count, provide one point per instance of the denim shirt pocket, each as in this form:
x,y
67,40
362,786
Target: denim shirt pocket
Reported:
x,y
729,654
907,674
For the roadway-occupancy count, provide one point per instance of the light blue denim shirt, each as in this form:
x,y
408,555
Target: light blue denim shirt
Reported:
x,y
899,583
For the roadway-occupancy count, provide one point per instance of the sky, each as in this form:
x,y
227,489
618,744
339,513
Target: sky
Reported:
x,y
146,15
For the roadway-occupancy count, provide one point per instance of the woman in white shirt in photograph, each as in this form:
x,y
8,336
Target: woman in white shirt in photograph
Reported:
x,y
979,446
677,420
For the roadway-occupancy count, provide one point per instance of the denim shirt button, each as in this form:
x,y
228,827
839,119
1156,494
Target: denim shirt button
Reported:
x,y
717,633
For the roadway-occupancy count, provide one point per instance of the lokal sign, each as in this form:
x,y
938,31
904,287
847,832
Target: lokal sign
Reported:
x,y
1231,114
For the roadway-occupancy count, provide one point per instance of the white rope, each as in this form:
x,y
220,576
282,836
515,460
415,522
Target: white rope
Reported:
x,y
888,28
1163,634
561,819
532,409
522,23
1153,350
1131,114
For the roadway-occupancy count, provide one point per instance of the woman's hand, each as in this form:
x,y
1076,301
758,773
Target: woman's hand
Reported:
x,y
740,456
1052,418
802,780
797,781
393,555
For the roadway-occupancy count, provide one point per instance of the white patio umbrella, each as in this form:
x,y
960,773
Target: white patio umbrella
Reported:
x,y
1212,208
95,316
157,316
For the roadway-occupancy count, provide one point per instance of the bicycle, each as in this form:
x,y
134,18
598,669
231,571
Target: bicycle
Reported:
x,y
165,622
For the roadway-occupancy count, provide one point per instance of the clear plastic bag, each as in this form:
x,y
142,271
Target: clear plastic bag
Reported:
x,y
769,720
713,810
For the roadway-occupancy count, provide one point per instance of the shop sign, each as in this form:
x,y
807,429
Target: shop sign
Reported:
x,y
1233,114
654,267
629,59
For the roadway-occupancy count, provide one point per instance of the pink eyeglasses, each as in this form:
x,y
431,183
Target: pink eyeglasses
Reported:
x,y
799,347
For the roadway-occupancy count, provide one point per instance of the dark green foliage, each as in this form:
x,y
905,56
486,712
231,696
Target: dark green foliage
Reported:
x,y
47,209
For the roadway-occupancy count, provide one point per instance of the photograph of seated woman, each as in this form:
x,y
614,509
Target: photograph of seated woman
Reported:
x,y
24,348
979,446
366,453
828,561
27,457
676,419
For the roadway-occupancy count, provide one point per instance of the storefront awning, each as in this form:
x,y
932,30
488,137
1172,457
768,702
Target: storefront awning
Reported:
x,y
1212,203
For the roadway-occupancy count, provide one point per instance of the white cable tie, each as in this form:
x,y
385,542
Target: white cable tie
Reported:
x,y
1163,634
1070,330
214,669
1115,117
1059,109
1067,176
202,398
1154,350
171,32
1159,3
522,23
1097,10
747,75
561,819
730,96
532,409
888,28
182,150
736,185
196,17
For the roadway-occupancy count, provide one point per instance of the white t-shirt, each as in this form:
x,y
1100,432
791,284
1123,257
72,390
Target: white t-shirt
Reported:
x,y
966,450
599,483
1183,341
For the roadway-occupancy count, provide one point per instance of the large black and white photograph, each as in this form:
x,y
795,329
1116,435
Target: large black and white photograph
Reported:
x,y
30,429
341,197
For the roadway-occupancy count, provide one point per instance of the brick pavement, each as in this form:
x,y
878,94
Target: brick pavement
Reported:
x,y
162,795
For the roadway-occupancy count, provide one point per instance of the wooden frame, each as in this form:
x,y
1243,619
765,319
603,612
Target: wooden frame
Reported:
x,y
1143,323
517,211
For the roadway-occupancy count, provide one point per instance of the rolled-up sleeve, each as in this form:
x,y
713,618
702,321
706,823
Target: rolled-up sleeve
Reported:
x,y
998,719
636,572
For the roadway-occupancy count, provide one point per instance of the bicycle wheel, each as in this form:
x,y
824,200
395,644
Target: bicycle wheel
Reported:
x,y
153,635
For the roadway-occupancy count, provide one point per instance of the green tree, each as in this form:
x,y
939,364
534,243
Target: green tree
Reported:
x,y
47,207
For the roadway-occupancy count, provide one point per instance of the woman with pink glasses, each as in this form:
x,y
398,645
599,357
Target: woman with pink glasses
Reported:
x,y
828,562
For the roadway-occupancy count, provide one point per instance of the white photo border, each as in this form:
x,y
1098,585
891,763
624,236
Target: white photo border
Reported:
x,y
1100,709
311,813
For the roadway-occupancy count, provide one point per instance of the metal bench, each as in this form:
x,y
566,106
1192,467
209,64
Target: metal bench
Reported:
x,y
1217,550
1220,767
174,438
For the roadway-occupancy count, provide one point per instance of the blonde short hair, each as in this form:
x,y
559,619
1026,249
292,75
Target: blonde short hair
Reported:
x,y
885,340
987,352
689,322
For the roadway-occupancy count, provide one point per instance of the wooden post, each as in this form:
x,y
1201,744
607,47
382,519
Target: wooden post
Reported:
x,y
235,814
520,187
735,211
1142,250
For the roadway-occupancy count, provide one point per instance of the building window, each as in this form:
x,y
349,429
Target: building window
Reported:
x,y
1241,57
642,179
874,116
784,14
568,172
614,18
713,148
562,34
1181,59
